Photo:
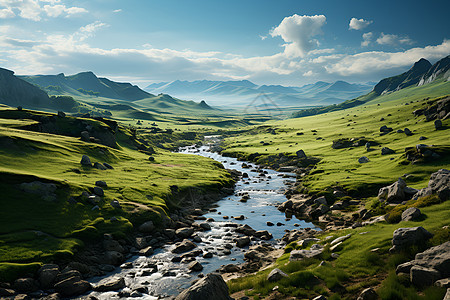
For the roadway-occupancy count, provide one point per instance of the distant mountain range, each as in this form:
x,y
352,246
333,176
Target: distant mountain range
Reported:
x,y
241,93
421,73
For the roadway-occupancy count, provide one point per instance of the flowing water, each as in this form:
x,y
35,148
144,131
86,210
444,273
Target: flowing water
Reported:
x,y
265,189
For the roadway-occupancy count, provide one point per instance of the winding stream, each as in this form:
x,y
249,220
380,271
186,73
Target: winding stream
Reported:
x,y
265,188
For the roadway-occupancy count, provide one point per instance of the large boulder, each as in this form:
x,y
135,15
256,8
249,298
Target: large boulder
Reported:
x,y
211,287
439,184
25,285
302,254
242,242
86,161
411,214
147,227
405,237
422,276
394,192
300,154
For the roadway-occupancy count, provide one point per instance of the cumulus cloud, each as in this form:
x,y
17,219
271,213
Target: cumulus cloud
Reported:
x,y
6,13
367,39
358,24
117,10
298,32
367,62
34,9
393,40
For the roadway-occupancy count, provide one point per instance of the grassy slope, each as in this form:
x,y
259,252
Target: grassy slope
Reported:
x,y
356,268
32,229
340,166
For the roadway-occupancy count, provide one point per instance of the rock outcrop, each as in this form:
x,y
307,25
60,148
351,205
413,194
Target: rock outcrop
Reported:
x,y
405,237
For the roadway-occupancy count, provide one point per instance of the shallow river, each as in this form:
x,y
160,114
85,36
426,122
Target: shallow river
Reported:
x,y
265,190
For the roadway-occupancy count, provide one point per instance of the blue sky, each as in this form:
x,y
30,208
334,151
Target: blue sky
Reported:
x,y
267,42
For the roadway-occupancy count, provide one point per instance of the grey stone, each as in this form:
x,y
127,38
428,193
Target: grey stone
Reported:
x,y
438,124
447,295
99,166
320,297
302,254
184,246
407,132
445,283
210,287
394,192
72,286
195,266
146,251
184,232
439,184
405,237
422,276
115,204
242,242
99,191
113,258
275,275
25,285
300,154
86,161
101,183
85,136
411,214
47,275
363,160
110,284
205,226
147,227
321,200
108,166
61,114
386,151
113,245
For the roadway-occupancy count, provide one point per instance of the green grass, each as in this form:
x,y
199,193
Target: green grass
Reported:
x,y
339,167
356,267
35,230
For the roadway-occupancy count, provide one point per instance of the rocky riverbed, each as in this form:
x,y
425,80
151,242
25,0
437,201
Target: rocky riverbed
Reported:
x,y
232,237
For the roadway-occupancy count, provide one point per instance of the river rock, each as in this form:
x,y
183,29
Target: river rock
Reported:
x,y
184,246
195,266
25,285
86,161
275,275
246,230
439,184
242,241
210,287
184,232
147,227
230,268
72,286
146,251
405,237
110,284
368,294
47,275
411,214
205,226
113,258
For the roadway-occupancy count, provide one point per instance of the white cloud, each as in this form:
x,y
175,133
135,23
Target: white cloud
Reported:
x,y
6,13
367,39
32,9
92,27
117,11
358,24
367,62
393,39
298,32
263,37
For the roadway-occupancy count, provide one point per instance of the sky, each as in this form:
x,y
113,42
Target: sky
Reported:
x,y
285,42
